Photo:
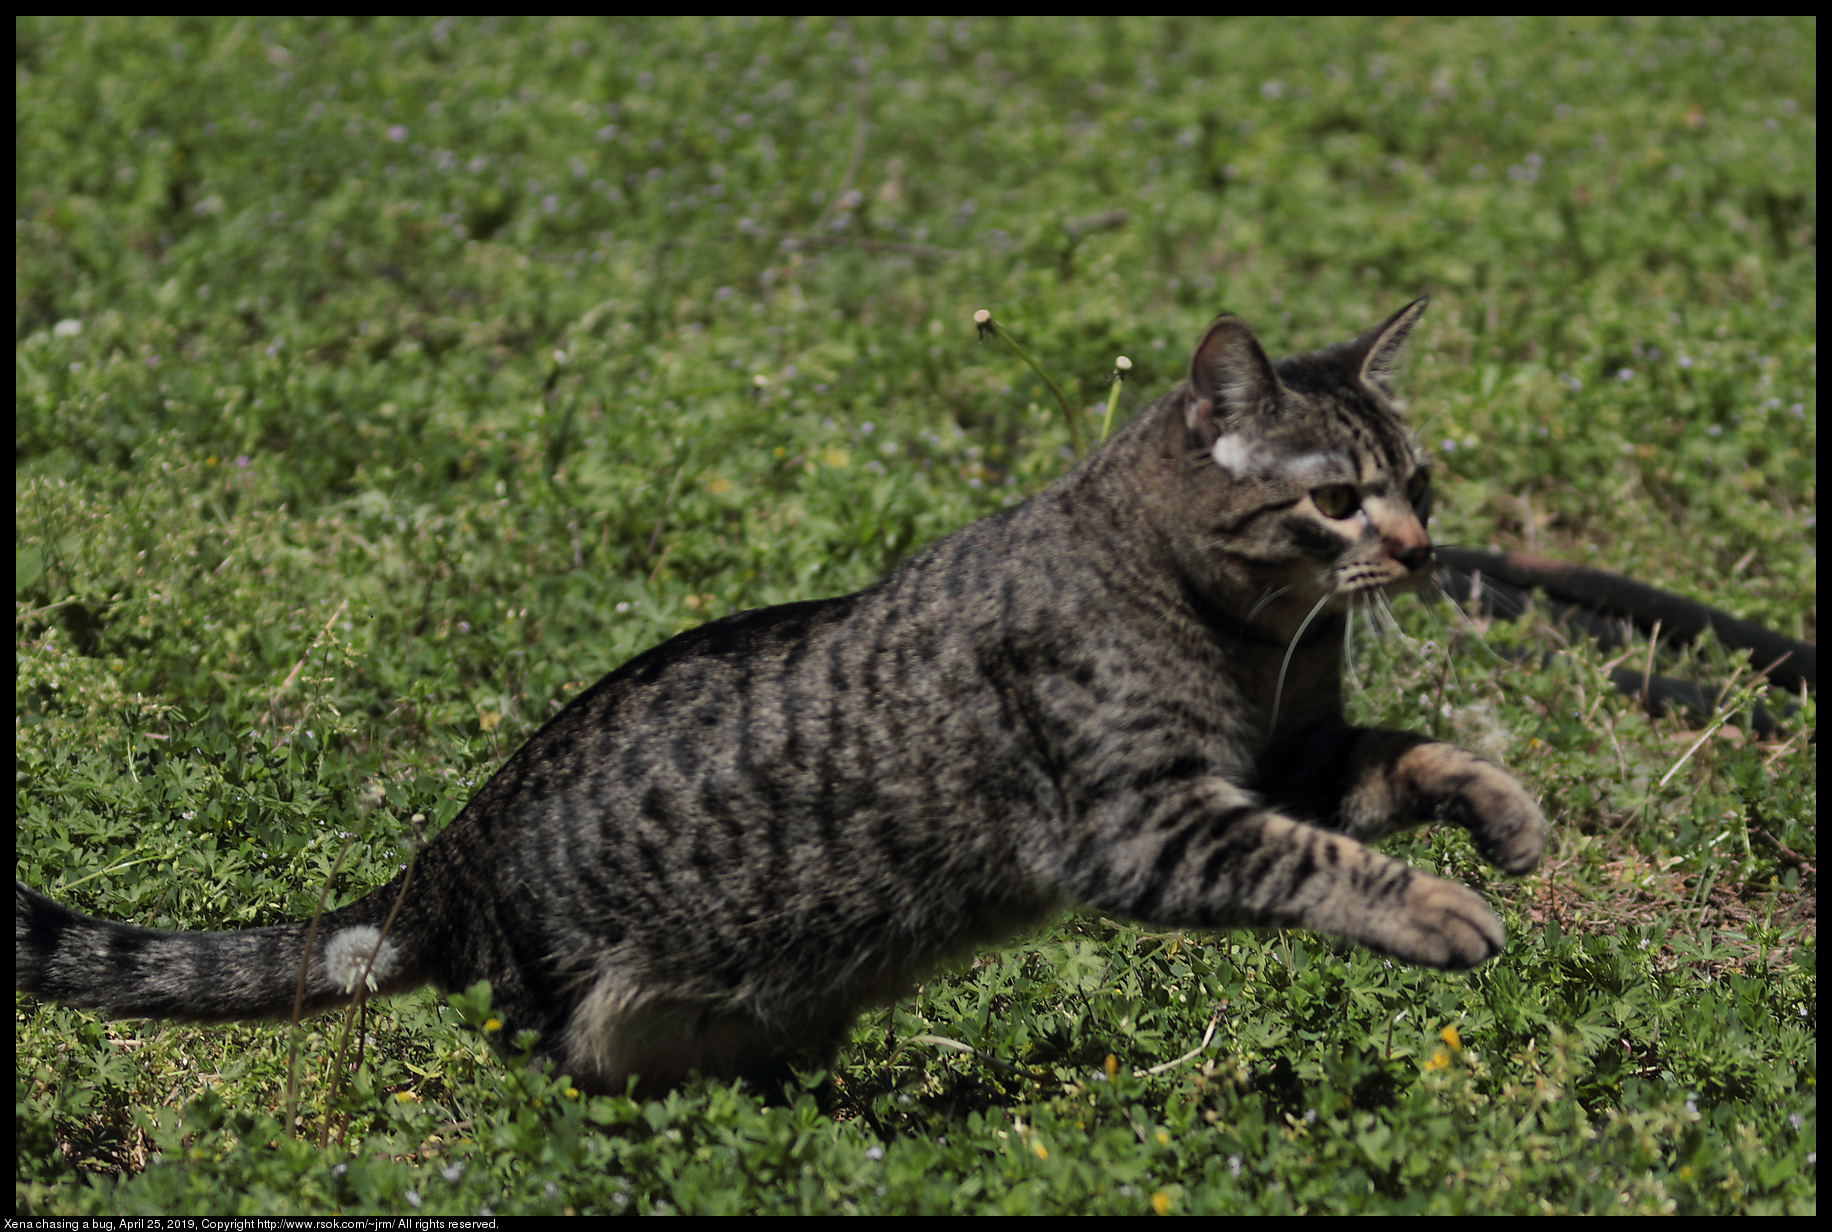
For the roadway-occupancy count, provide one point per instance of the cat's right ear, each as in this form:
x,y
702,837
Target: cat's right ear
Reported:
x,y
1229,376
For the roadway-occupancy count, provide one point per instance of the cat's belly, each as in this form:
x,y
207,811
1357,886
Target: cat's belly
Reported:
x,y
624,1026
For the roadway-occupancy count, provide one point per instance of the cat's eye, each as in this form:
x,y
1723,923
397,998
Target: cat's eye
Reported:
x,y
1337,500
1415,487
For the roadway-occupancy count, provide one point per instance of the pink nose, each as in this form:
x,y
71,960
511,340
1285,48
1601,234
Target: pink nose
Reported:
x,y
1415,556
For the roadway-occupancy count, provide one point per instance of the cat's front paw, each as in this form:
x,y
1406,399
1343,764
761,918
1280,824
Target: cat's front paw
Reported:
x,y
1442,925
1502,819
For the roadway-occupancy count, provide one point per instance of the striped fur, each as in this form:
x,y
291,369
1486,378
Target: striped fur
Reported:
x,y
1123,694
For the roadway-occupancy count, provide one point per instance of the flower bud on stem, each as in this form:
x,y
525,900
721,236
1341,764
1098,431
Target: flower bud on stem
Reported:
x,y
1121,367
982,320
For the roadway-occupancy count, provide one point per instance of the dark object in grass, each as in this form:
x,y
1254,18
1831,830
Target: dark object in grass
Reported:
x,y
1606,606
1124,693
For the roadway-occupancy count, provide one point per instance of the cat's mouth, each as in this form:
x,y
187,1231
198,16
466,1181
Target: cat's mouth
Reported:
x,y
1339,589
1389,574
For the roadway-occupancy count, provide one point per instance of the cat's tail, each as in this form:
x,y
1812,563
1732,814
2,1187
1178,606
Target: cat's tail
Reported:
x,y
128,972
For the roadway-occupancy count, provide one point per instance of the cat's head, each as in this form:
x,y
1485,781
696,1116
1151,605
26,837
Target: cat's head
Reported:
x,y
1308,488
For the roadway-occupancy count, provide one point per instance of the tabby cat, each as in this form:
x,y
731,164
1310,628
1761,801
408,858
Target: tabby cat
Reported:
x,y
1123,694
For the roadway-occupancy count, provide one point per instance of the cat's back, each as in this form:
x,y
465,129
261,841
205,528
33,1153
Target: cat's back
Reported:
x,y
822,725
800,674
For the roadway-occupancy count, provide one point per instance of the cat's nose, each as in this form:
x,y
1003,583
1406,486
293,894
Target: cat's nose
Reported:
x,y
1414,557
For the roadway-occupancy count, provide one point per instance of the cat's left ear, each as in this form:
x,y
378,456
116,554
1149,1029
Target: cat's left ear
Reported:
x,y
1380,346
1229,376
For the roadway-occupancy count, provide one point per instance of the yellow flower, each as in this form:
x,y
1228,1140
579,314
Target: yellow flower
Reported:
x,y
1449,1036
1112,1066
1043,1152
1160,1202
494,1024
1439,1060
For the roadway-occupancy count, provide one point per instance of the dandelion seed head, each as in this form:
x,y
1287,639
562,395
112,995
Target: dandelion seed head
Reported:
x,y
346,957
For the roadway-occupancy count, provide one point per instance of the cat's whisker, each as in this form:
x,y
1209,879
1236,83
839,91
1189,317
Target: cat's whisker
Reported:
x,y
1373,616
1348,642
1447,632
1441,627
1471,626
1389,622
1278,690
1425,425
1264,599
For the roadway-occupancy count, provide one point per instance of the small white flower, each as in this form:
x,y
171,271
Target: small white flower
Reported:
x,y
346,957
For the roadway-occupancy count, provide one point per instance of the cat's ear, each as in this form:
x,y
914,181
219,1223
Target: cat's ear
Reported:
x,y
1379,347
1229,375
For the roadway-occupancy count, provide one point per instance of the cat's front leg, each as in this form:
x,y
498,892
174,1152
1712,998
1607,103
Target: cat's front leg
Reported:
x,y
1371,782
1207,854
1397,780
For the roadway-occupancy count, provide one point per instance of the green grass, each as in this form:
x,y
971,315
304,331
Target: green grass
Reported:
x,y
380,384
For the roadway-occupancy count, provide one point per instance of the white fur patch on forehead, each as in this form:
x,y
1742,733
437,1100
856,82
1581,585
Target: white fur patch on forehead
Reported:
x,y
1318,467
1241,454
